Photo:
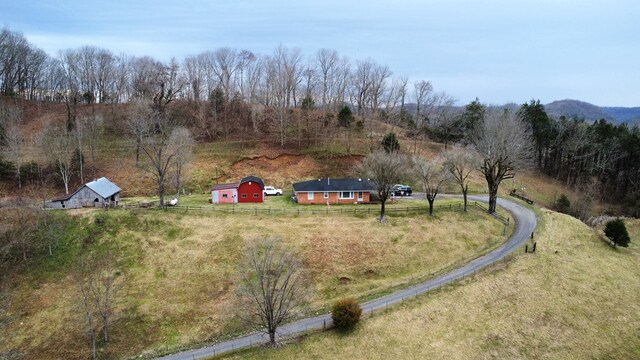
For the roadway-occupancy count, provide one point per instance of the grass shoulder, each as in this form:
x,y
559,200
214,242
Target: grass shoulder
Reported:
x,y
564,301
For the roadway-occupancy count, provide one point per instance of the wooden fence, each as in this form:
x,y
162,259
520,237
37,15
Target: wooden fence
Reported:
x,y
301,209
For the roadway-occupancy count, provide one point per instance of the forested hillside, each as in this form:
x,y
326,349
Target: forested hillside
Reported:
x,y
157,125
589,112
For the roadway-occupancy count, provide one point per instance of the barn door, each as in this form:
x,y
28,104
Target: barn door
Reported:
x,y
214,197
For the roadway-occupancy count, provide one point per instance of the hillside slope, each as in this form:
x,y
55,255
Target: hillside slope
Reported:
x,y
575,298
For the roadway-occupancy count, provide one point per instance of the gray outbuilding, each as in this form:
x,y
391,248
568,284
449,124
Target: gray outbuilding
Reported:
x,y
97,193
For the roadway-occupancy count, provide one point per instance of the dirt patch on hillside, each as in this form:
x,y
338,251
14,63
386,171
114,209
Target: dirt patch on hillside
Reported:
x,y
284,169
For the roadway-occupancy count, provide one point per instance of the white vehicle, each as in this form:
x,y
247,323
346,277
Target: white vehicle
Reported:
x,y
270,190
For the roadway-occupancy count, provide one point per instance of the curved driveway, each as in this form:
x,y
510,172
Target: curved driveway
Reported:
x,y
525,221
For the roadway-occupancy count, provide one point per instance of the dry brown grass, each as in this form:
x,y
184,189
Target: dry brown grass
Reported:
x,y
576,298
179,289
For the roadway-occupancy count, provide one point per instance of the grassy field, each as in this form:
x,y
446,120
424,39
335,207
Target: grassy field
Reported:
x,y
575,298
179,272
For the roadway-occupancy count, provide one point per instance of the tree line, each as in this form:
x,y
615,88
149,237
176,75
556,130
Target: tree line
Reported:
x,y
599,160
280,80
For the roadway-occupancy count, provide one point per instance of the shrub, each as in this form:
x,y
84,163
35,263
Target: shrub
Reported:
x,y
345,314
563,204
616,231
345,117
390,143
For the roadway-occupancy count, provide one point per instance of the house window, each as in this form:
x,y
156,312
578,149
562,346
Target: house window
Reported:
x,y
346,195
310,195
244,196
225,196
256,196
326,194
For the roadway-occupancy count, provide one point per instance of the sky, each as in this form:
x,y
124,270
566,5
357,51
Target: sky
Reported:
x,y
499,51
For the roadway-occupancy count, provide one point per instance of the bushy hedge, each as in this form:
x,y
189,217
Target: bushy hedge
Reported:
x,y
346,314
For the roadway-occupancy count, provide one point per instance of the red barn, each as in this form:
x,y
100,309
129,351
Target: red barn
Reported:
x,y
248,190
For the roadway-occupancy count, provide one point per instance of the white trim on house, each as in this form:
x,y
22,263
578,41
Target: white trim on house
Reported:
x,y
341,195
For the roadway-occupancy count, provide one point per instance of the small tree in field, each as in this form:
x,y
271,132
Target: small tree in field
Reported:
x,y
431,174
272,285
384,170
98,281
346,314
616,231
460,163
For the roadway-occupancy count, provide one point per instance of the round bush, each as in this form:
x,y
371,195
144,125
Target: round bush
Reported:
x,y
345,314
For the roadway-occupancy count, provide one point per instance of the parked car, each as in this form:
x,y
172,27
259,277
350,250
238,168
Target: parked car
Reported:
x,y
402,190
270,190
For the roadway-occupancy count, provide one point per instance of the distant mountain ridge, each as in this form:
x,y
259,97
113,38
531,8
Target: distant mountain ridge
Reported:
x,y
571,109
589,112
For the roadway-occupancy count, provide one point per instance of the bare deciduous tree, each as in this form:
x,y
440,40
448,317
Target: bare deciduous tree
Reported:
x,y
11,123
184,142
444,120
162,142
92,127
327,61
59,147
384,170
504,144
98,281
431,174
272,285
460,163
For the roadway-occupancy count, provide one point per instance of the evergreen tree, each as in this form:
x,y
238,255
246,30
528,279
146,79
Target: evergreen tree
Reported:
x,y
345,117
616,231
390,143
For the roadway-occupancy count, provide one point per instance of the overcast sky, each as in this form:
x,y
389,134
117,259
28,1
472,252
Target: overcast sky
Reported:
x,y
497,50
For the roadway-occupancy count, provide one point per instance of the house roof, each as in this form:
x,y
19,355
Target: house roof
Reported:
x,y
332,185
103,187
225,186
255,179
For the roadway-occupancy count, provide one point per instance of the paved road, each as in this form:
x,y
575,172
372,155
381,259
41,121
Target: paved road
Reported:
x,y
525,225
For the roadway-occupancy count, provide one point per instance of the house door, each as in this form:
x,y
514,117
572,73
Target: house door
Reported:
x,y
360,198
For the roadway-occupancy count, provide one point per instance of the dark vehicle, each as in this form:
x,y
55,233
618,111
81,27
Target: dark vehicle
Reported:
x,y
401,190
